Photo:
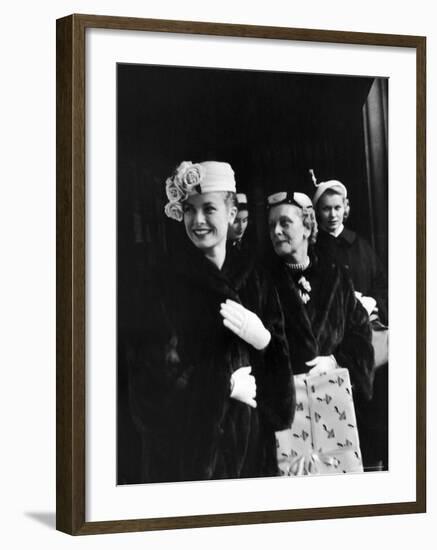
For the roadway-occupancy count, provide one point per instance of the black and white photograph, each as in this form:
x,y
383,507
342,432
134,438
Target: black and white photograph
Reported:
x,y
217,287
252,274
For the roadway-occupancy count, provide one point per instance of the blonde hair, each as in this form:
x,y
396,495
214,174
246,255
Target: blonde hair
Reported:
x,y
230,198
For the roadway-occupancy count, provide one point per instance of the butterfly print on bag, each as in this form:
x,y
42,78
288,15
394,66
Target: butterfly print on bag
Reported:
x,y
327,399
303,435
339,381
341,415
330,433
347,443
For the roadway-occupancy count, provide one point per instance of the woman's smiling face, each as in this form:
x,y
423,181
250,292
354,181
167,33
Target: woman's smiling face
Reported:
x,y
207,217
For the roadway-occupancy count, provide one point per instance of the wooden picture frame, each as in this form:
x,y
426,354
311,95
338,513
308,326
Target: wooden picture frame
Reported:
x,y
71,274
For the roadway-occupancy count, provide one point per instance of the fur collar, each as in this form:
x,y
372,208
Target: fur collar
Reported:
x,y
191,266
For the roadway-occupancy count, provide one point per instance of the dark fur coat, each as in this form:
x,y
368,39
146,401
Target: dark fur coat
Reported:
x,y
365,268
332,322
180,368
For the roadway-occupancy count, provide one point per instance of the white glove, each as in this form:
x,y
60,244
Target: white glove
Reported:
x,y
321,364
367,302
245,324
243,386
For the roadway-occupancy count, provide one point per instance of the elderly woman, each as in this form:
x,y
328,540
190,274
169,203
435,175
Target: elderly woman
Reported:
x,y
336,241
210,374
325,324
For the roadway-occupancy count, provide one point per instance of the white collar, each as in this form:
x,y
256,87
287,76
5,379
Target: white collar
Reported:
x,y
337,232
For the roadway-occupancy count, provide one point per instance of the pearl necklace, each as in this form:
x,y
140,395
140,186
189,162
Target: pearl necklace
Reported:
x,y
299,267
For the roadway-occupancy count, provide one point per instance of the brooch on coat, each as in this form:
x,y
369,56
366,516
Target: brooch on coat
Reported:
x,y
304,289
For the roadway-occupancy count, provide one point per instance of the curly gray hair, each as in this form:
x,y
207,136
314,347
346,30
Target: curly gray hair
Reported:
x,y
309,222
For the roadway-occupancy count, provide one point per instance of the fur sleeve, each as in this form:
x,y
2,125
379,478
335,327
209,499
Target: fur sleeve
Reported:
x,y
275,382
356,351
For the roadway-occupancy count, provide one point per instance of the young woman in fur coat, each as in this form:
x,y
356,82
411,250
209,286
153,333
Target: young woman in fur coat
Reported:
x,y
210,377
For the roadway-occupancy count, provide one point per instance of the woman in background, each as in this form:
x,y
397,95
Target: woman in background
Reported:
x,y
341,244
238,227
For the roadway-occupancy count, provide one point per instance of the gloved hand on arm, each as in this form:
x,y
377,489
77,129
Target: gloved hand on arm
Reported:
x,y
245,324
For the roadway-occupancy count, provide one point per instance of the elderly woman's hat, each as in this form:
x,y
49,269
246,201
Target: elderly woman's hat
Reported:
x,y
289,197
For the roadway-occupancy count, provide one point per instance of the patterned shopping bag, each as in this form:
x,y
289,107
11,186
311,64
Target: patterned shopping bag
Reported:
x,y
323,438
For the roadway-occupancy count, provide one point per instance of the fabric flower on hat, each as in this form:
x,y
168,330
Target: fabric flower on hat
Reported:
x,y
174,211
205,177
174,190
189,174
186,177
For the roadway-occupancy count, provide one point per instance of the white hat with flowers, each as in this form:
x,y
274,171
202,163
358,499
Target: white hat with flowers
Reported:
x,y
190,179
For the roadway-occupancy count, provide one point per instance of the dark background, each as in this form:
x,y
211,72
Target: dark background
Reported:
x,y
271,127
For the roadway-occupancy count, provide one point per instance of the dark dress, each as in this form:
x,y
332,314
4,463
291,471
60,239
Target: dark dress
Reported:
x,y
180,368
356,254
